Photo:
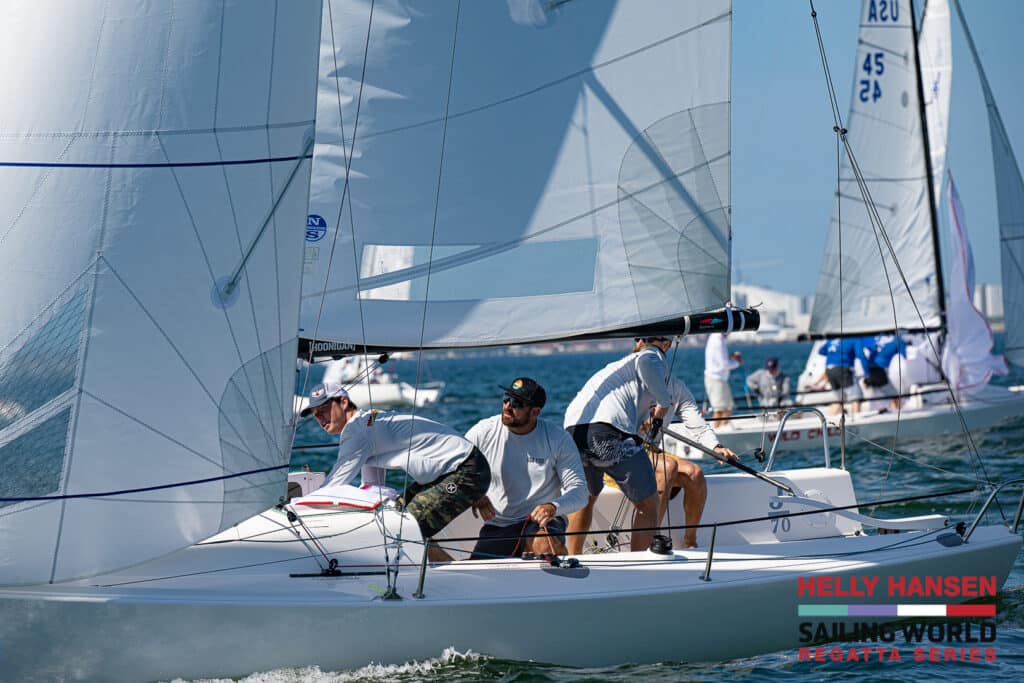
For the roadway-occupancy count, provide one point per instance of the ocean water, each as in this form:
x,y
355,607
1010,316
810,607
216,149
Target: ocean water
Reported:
x,y
941,464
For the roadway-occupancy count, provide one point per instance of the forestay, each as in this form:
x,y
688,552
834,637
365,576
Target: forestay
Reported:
x,y
1010,203
145,147
859,287
498,172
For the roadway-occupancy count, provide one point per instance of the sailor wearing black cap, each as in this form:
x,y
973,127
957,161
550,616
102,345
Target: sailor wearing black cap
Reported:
x,y
536,476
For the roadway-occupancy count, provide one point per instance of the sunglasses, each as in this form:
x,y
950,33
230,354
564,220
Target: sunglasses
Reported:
x,y
513,402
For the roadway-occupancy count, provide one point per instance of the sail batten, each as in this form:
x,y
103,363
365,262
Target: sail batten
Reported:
x,y
519,215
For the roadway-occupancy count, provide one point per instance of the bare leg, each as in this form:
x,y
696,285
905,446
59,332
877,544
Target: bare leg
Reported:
x,y
580,521
646,510
695,494
665,471
437,554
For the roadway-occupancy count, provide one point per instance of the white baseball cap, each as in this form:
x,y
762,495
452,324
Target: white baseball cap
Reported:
x,y
321,394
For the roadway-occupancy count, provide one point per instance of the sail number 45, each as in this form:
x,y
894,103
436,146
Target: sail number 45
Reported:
x,y
874,65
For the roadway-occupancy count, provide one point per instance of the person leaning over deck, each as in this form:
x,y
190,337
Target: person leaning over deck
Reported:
x,y
674,473
603,420
841,358
449,473
536,477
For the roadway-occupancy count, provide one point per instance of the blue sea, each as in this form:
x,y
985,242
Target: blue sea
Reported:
x,y
942,464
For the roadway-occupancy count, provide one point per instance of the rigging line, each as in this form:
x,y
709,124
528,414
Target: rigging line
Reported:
x,y
972,447
430,253
348,156
346,189
873,214
855,431
768,518
160,487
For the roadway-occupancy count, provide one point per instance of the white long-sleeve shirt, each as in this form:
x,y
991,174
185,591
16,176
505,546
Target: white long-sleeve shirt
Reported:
x,y
621,393
529,469
423,448
717,363
685,407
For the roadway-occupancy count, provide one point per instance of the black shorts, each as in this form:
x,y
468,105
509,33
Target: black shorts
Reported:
x,y
839,377
507,541
876,377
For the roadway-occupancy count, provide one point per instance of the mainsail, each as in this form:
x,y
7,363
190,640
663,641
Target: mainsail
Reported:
x,y
154,172
860,289
536,170
1010,203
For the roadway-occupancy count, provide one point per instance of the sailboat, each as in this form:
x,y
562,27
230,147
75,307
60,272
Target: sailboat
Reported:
x,y
369,384
140,536
897,126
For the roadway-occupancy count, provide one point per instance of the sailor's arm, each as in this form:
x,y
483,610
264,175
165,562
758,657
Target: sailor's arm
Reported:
x,y
353,451
652,371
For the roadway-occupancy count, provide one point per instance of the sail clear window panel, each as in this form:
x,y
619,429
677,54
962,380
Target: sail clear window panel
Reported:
x,y
42,363
529,269
33,462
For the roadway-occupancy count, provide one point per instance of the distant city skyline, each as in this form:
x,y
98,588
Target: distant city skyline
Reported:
x,y
784,150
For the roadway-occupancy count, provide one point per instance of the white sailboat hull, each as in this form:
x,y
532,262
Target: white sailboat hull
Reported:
x,y
228,607
994,405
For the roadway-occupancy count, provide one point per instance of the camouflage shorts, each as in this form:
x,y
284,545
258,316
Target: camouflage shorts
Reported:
x,y
436,504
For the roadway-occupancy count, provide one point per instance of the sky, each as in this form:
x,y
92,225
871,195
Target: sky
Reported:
x,y
783,147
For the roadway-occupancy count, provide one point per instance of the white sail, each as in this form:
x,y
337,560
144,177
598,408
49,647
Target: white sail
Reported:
x,y
859,287
967,359
148,153
935,48
1010,203
552,169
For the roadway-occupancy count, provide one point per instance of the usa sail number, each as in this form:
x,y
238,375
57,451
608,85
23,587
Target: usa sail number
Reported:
x,y
870,87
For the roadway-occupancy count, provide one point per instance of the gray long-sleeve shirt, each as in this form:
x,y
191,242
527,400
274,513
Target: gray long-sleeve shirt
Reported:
x,y
623,392
771,389
423,448
529,469
688,412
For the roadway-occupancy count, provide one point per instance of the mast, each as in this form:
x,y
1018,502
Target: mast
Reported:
x,y
932,204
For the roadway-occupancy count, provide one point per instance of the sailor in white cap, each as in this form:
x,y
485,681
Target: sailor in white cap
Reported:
x,y
449,472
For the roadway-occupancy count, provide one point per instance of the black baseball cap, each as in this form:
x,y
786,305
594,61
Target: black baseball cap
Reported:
x,y
771,363
528,391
